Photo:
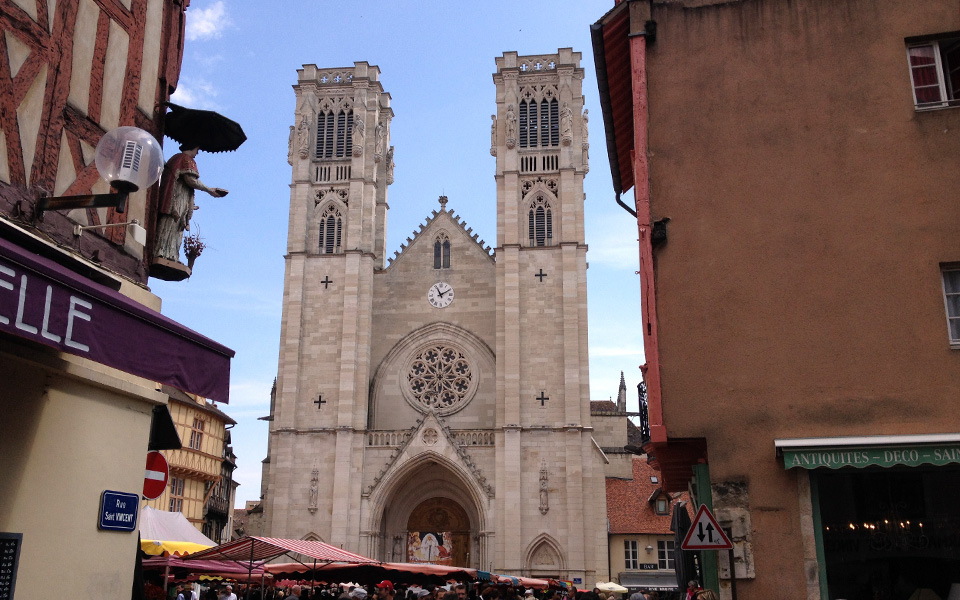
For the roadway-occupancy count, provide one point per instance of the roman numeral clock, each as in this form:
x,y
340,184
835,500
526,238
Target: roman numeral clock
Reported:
x,y
440,294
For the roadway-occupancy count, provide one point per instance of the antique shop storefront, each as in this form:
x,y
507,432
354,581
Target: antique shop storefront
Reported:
x,y
884,513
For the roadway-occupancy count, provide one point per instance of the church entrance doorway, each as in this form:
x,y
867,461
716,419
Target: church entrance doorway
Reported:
x,y
438,532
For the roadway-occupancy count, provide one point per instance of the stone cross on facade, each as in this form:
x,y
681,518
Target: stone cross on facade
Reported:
x,y
319,401
541,275
542,398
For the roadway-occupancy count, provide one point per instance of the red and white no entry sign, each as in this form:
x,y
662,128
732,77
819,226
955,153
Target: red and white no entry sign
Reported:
x,y
155,479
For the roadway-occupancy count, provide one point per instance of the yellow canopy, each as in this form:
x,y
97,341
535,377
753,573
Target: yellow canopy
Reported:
x,y
164,548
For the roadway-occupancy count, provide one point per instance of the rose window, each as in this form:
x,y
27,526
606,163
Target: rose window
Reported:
x,y
440,377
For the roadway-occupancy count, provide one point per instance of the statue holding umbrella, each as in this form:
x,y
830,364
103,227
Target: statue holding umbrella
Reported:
x,y
195,130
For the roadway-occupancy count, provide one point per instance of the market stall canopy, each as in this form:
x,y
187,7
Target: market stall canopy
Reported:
x,y
525,582
264,548
610,587
420,573
179,567
165,533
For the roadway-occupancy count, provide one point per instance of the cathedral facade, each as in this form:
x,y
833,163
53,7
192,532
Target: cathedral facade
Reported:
x,y
435,407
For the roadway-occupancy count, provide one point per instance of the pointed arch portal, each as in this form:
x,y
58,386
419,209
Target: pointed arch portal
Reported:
x,y
429,515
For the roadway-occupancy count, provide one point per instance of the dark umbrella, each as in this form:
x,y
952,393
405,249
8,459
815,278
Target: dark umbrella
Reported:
x,y
205,129
684,564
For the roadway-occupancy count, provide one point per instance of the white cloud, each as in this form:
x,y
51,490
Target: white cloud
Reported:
x,y
207,23
195,93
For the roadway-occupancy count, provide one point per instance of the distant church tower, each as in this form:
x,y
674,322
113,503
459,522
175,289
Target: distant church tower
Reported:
x,y
435,406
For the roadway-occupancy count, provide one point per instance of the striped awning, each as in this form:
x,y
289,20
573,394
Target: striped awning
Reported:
x,y
264,548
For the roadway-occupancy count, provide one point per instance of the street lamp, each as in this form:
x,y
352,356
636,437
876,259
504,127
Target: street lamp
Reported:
x,y
128,158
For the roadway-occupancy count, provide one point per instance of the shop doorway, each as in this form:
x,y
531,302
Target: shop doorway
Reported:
x,y
885,533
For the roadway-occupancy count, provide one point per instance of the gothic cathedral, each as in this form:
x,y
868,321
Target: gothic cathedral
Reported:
x,y
435,407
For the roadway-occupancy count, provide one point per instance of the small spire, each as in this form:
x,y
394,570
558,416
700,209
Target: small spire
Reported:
x,y
622,395
443,202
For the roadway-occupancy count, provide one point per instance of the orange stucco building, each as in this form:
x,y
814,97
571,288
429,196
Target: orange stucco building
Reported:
x,y
791,166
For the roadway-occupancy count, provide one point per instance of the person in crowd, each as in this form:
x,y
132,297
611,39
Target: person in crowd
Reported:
x,y
385,590
707,595
228,593
295,593
461,591
692,589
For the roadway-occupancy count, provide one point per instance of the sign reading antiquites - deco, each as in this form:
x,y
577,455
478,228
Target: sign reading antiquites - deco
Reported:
x,y
882,456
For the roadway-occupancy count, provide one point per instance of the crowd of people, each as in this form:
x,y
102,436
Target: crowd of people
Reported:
x,y
386,590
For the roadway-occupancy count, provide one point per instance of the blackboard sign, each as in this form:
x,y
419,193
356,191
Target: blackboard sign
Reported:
x,y
9,557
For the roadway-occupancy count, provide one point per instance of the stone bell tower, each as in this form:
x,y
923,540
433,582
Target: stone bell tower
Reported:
x,y
342,162
548,471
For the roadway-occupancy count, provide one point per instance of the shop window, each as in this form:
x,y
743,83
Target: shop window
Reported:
x,y
666,554
935,72
631,555
889,532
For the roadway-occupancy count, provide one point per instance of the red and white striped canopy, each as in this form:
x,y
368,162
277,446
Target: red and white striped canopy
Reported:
x,y
264,548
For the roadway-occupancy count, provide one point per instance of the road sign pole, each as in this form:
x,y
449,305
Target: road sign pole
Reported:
x,y
733,569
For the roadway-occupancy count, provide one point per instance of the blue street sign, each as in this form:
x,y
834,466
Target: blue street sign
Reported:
x,y
118,511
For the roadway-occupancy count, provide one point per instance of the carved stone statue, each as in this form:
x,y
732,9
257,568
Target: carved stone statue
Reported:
x,y
585,143
544,491
390,166
177,185
293,134
566,125
303,137
493,135
314,478
380,133
358,137
511,127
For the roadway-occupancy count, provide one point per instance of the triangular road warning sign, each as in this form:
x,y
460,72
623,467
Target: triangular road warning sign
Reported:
x,y
705,533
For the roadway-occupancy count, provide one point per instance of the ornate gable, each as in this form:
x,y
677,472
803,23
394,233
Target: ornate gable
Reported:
x,y
442,218
431,435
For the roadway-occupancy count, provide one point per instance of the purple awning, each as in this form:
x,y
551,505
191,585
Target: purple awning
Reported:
x,y
43,301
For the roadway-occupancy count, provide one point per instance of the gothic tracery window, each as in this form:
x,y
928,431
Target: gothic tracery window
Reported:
x,y
441,252
331,231
539,123
540,223
334,133
440,377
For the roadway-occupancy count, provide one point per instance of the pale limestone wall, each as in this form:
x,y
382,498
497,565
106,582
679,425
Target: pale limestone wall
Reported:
x,y
609,431
401,309
72,429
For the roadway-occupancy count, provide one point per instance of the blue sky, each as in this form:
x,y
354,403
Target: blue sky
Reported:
x,y
436,61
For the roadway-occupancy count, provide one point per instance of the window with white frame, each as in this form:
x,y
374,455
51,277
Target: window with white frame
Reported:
x,y
663,506
631,555
951,300
196,434
935,72
665,554
176,494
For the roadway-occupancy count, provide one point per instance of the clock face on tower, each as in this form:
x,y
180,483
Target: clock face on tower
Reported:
x,y
440,294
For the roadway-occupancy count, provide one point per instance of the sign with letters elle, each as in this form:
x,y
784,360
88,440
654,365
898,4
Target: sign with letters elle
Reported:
x,y
118,511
